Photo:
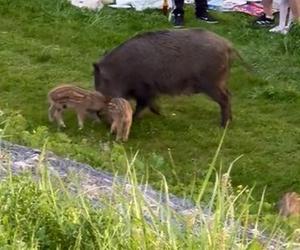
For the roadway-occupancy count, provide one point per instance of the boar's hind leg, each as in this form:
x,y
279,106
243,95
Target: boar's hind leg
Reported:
x,y
222,97
154,108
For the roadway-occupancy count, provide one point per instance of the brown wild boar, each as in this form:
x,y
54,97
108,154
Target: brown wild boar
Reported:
x,y
171,62
118,113
84,102
289,204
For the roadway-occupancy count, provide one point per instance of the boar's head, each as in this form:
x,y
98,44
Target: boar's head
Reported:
x,y
97,77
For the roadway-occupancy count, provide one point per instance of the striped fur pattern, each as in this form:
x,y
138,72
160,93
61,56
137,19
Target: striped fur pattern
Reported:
x,y
119,114
84,102
289,204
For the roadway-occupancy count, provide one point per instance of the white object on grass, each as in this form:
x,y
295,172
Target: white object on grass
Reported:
x,y
140,5
89,4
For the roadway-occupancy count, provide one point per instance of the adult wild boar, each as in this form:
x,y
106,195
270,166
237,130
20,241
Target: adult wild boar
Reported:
x,y
169,62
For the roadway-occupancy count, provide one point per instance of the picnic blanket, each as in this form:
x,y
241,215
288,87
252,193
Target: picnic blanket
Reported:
x,y
140,5
245,6
251,7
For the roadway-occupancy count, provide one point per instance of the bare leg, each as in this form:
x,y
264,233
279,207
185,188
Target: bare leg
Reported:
x,y
267,5
295,8
283,13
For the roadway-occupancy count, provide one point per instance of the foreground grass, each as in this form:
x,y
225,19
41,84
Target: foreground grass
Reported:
x,y
41,213
43,43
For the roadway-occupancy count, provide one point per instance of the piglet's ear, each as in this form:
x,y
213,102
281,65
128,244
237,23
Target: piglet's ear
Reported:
x,y
107,99
96,67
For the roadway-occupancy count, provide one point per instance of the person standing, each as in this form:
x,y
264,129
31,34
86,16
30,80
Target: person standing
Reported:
x,y
177,15
267,19
295,8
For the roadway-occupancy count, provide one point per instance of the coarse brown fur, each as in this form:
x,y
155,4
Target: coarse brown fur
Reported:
x,y
172,62
289,204
84,102
118,113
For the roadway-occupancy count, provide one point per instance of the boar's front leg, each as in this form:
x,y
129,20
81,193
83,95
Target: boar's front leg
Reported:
x,y
141,104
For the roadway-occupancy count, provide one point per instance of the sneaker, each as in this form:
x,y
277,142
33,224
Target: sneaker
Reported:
x,y
278,29
177,20
265,21
206,17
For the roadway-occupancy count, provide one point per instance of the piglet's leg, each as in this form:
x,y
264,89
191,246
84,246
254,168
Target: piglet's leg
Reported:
x,y
58,118
119,132
95,115
80,117
127,126
51,111
113,126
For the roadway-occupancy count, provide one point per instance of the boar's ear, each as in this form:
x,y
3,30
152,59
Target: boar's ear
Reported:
x,y
96,67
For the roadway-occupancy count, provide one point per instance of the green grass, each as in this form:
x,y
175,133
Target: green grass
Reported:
x,y
41,213
44,43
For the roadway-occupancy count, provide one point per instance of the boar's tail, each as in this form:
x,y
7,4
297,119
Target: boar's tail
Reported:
x,y
234,54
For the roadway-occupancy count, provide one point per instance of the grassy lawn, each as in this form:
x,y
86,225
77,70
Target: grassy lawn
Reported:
x,y
44,43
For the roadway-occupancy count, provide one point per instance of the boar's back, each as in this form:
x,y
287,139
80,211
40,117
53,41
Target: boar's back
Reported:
x,y
168,62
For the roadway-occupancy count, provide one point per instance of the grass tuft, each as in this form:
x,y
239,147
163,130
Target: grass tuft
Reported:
x,y
41,213
44,43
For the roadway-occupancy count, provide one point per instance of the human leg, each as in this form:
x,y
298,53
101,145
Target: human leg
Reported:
x,y
295,8
201,12
177,15
267,19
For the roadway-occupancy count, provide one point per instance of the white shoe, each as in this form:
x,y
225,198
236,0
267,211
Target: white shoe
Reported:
x,y
279,29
